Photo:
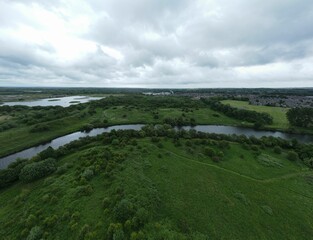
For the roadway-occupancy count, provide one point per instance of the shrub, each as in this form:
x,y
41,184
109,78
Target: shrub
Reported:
x,y
141,217
37,170
216,158
88,174
267,209
292,156
115,232
40,128
254,148
87,127
209,151
124,210
308,162
84,231
115,142
50,221
47,153
35,233
83,191
277,150
155,139
10,175
31,220
106,202
62,169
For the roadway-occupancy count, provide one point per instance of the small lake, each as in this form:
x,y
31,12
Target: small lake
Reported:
x,y
62,101
60,141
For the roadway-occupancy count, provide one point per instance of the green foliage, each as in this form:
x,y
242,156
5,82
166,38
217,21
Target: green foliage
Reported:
x,y
11,174
292,156
259,118
88,174
277,150
87,127
84,231
81,191
301,117
209,151
50,221
106,202
48,153
35,233
267,209
278,113
31,220
41,127
180,121
128,192
124,210
308,162
242,197
115,232
268,161
37,170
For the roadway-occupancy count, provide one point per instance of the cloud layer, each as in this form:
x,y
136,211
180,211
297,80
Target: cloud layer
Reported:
x,y
149,43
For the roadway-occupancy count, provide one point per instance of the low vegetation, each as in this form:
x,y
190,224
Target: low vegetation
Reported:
x,y
159,183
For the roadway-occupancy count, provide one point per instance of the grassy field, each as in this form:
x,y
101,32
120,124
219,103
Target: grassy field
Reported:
x,y
187,195
137,115
19,138
279,114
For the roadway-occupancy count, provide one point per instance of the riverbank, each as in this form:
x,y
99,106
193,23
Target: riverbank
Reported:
x,y
217,129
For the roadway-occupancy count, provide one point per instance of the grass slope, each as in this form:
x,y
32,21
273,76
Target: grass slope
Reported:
x,y
187,194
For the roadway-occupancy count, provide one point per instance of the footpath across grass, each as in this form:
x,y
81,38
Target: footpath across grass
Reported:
x,y
161,189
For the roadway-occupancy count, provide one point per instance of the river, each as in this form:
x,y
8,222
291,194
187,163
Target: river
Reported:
x,y
60,141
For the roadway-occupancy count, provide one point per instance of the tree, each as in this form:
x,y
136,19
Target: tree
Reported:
x,y
301,117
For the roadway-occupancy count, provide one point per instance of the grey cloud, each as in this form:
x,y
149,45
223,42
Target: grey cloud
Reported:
x,y
163,43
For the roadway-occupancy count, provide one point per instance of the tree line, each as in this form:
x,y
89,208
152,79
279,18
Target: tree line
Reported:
x,y
242,114
300,117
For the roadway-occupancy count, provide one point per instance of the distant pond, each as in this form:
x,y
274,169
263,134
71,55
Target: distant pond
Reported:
x,y
62,101
60,141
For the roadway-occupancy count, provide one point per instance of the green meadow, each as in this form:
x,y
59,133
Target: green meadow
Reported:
x,y
170,191
278,113
155,184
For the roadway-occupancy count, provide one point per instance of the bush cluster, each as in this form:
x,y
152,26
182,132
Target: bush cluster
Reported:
x,y
37,170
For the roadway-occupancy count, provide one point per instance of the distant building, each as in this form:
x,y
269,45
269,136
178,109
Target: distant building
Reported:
x,y
158,93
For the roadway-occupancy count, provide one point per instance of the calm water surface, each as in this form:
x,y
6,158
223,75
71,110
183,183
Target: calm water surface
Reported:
x,y
62,101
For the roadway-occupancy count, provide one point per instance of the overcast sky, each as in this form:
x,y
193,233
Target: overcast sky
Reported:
x,y
156,43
